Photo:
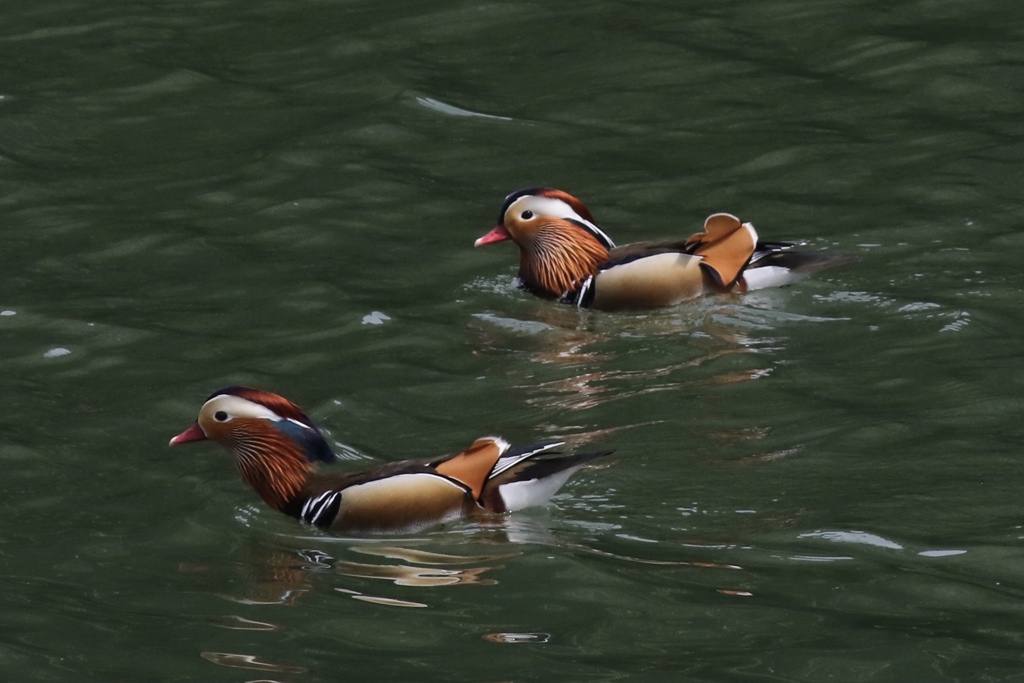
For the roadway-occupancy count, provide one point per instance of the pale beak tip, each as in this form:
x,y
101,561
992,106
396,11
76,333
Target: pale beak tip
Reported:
x,y
193,433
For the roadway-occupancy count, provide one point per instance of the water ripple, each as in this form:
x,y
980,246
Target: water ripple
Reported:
x,y
241,661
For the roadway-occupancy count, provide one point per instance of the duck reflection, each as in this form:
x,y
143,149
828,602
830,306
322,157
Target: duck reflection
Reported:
x,y
275,575
241,661
583,343
420,568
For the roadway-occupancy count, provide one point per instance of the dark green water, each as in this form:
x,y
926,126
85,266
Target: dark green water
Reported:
x,y
811,484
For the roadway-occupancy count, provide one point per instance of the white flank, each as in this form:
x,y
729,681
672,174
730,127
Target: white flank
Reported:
x,y
523,494
769,276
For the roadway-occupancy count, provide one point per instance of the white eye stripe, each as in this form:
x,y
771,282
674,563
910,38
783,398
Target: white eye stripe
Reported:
x,y
236,406
556,208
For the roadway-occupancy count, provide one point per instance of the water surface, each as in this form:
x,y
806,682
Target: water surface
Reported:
x,y
815,483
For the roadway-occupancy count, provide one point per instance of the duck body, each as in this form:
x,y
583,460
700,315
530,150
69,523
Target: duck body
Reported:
x,y
565,256
279,451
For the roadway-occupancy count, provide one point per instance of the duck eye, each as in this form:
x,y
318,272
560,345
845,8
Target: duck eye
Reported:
x,y
220,416
526,215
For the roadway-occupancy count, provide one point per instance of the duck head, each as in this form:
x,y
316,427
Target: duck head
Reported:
x,y
560,246
275,444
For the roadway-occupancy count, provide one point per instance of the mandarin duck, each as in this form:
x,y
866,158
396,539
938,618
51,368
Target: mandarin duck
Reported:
x,y
278,451
564,255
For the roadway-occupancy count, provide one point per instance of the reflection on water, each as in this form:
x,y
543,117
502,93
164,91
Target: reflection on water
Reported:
x,y
282,576
237,623
425,557
516,638
240,661
583,344
853,537
663,563
594,388
379,600
412,575
452,110
278,576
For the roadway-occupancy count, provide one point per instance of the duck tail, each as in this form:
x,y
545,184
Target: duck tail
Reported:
x,y
530,480
776,264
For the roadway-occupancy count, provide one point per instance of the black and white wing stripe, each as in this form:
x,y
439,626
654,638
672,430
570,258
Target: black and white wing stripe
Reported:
x,y
321,510
514,456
